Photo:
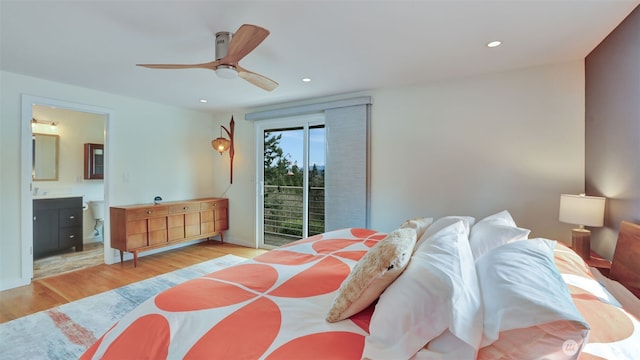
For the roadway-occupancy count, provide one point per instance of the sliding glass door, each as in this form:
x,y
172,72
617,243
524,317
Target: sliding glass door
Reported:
x,y
291,195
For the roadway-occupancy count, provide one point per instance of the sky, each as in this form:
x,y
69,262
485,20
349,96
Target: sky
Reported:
x,y
292,143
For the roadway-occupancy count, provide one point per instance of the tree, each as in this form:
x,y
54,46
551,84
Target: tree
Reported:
x,y
273,158
278,168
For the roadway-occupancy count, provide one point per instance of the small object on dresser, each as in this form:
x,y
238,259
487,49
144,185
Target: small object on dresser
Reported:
x,y
157,200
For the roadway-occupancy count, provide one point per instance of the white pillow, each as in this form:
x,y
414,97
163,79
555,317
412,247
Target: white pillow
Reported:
x,y
443,222
501,218
488,236
438,291
419,224
494,231
522,288
378,268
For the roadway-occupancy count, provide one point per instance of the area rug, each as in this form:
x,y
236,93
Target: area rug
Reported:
x,y
66,331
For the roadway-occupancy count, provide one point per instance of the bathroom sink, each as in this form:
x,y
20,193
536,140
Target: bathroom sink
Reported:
x,y
54,196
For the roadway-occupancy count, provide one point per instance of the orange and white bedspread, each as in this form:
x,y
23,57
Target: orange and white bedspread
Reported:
x,y
274,307
270,307
615,333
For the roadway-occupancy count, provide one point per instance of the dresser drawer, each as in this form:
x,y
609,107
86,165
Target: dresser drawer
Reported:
x,y
156,224
69,236
184,208
176,233
222,224
70,217
147,212
175,221
157,237
207,227
136,241
215,204
206,216
137,227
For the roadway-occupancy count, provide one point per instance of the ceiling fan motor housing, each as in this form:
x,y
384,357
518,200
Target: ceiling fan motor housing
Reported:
x,y
225,71
223,39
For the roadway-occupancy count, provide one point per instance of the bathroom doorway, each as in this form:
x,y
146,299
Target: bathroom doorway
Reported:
x,y
75,125
76,132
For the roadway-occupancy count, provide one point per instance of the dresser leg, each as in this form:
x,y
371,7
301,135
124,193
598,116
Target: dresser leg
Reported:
x,y
121,257
135,259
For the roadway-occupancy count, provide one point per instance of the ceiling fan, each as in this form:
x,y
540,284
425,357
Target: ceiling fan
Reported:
x,y
230,49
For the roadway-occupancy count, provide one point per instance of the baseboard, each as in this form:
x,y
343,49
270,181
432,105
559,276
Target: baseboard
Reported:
x,y
6,284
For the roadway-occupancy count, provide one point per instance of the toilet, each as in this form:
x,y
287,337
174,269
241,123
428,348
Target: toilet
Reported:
x,y
97,210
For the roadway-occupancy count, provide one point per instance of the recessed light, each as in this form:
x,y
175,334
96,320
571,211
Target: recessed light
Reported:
x,y
306,79
203,100
494,44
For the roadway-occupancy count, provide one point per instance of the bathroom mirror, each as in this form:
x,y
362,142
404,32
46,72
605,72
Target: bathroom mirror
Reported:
x,y
45,157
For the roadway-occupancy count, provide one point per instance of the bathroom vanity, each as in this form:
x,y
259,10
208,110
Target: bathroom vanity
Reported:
x,y
57,225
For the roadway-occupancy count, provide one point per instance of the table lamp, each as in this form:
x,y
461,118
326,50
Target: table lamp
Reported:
x,y
584,211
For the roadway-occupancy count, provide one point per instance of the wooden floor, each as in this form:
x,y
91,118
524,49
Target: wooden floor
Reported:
x,y
57,290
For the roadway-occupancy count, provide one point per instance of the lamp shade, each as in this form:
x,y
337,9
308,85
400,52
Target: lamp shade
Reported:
x,y
220,144
582,210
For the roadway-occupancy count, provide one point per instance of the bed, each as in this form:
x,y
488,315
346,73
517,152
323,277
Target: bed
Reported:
x,y
452,288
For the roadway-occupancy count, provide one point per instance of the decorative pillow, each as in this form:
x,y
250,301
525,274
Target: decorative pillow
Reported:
x,y
443,222
419,224
438,291
378,268
525,297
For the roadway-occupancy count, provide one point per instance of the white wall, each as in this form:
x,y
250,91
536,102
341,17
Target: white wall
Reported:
x,y
472,146
475,146
155,150
241,193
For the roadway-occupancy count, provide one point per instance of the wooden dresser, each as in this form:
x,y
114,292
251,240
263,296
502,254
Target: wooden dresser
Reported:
x,y
137,228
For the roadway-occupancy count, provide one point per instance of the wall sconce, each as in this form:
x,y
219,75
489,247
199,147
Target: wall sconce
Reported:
x,y
222,144
35,124
582,210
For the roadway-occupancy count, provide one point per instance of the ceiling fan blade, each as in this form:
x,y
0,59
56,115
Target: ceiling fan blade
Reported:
x,y
258,80
243,42
210,65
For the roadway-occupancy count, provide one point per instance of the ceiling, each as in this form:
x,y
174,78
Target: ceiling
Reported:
x,y
343,46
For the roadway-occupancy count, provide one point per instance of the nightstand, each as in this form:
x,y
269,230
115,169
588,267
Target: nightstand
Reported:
x,y
600,263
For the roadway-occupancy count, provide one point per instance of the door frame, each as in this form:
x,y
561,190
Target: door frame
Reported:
x,y
27,102
305,121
